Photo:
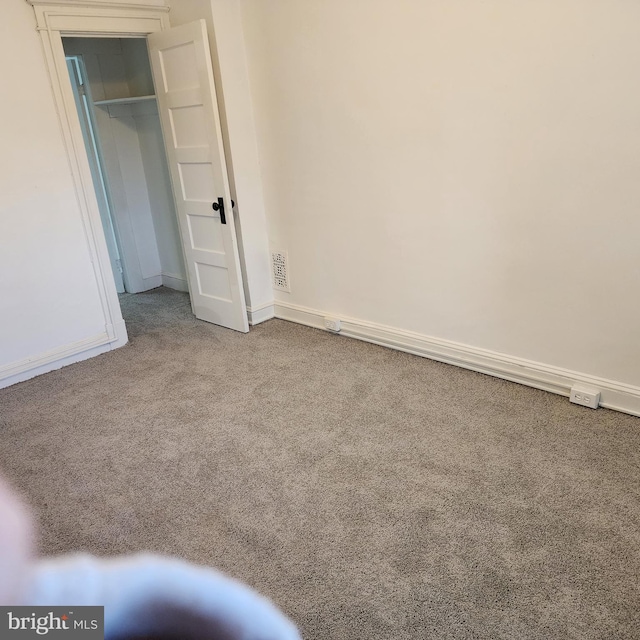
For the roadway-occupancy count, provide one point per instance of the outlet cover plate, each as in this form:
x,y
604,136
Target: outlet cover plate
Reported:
x,y
585,396
332,324
280,270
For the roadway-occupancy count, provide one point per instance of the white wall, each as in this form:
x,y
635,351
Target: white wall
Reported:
x,y
137,66
48,294
154,162
226,38
160,196
466,171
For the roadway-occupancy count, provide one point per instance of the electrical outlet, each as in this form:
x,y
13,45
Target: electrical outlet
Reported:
x,y
585,396
279,271
332,324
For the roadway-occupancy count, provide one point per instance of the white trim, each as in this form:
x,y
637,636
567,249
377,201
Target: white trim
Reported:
x,y
175,282
614,395
62,356
119,21
261,313
147,5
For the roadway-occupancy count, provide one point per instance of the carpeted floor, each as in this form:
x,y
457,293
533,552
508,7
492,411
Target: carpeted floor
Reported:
x,y
372,494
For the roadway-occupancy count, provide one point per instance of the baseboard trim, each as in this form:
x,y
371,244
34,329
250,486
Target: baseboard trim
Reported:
x,y
262,313
614,395
172,281
57,358
144,284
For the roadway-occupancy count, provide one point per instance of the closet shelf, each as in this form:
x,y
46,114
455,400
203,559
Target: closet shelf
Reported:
x,y
104,103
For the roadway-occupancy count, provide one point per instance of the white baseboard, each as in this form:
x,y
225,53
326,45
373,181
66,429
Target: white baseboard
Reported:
x,y
614,395
57,358
144,284
262,313
172,281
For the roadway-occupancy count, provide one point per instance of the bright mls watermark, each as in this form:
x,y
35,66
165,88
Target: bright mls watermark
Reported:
x,y
82,623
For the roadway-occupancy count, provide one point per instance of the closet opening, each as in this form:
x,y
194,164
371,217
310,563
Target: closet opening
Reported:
x,y
114,95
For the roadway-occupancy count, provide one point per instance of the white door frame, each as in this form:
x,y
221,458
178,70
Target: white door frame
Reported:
x,y
91,18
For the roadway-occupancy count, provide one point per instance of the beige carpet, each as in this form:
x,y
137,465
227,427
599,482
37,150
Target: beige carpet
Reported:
x,y
370,493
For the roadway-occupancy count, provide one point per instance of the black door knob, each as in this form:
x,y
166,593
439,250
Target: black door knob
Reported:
x,y
219,206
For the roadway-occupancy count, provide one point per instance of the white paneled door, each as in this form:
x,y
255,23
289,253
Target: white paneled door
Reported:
x,y
183,76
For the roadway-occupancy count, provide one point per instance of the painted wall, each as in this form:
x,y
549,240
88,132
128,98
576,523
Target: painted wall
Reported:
x,y
224,26
154,162
48,294
160,196
462,170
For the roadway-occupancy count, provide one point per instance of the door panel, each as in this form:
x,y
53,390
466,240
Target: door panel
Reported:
x,y
183,77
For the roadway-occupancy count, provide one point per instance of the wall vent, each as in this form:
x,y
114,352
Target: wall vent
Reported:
x,y
279,271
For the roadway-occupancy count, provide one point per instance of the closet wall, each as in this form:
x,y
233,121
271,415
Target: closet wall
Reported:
x,y
134,161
